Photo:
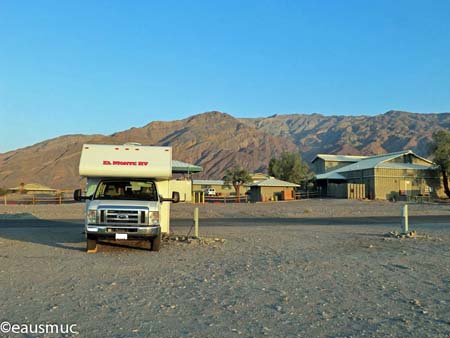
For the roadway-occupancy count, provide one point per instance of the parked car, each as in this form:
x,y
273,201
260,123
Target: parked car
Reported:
x,y
210,192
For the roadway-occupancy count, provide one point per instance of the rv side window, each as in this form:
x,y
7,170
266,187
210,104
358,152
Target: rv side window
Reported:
x,y
127,190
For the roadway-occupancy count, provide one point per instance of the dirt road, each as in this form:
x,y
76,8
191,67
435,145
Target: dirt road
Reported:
x,y
304,275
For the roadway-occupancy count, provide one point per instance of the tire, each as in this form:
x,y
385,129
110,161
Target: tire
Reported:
x,y
156,243
91,244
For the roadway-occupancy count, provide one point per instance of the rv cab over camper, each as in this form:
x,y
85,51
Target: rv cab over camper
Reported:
x,y
127,192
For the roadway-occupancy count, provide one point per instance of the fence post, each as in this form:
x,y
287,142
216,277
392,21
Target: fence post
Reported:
x,y
405,225
60,199
196,222
34,200
6,203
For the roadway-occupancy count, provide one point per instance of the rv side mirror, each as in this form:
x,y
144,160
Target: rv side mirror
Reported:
x,y
78,195
175,197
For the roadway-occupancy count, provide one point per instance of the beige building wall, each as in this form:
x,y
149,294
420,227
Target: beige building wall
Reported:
x,y
404,183
184,187
269,193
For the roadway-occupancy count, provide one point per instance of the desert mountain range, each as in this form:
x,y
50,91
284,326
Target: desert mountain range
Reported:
x,y
217,141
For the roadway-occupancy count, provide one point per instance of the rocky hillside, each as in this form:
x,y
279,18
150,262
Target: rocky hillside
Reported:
x,y
214,140
217,141
355,135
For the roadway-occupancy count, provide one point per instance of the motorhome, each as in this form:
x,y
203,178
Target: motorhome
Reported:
x,y
127,193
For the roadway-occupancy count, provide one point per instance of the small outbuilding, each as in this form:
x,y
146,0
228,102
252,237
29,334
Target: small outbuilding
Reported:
x,y
271,189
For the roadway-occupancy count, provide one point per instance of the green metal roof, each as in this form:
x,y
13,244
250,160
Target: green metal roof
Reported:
x,y
406,166
273,182
339,158
179,167
208,182
330,176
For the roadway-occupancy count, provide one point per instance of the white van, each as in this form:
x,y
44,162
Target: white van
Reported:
x,y
210,192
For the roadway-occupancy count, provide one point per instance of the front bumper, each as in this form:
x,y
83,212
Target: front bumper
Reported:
x,y
132,232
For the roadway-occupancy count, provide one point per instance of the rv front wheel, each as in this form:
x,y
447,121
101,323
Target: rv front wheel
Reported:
x,y
156,243
91,244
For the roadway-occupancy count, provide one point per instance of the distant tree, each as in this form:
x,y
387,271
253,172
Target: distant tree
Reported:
x,y
237,177
440,151
275,168
290,167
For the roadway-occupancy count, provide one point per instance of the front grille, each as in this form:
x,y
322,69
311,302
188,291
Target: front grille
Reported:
x,y
119,216
114,230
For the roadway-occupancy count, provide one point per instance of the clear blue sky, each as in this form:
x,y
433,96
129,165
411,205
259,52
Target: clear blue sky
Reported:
x,y
103,66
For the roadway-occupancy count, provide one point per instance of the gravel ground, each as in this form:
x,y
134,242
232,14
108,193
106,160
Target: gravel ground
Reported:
x,y
312,268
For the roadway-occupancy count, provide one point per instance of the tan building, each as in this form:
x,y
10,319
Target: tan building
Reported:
x,y
399,175
272,189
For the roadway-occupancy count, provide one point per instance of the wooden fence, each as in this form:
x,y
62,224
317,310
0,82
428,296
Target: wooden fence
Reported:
x,y
306,194
200,197
33,200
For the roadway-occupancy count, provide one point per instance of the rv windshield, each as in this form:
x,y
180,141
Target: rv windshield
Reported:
x,y
127,190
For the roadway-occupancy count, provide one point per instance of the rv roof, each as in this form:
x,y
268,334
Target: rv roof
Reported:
x,y
129,160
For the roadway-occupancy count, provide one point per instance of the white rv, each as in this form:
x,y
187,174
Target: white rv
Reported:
x,y
126,192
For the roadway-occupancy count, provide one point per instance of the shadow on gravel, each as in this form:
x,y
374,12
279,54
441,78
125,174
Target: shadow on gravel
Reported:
x,y
60,234
68,234
64,234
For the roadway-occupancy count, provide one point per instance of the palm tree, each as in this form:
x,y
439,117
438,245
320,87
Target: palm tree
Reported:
x,y
237,177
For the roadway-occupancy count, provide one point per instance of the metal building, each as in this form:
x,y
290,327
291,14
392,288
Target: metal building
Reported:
x,y
393,176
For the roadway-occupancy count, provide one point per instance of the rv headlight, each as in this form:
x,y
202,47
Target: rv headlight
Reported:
x,y
153,217
92,216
